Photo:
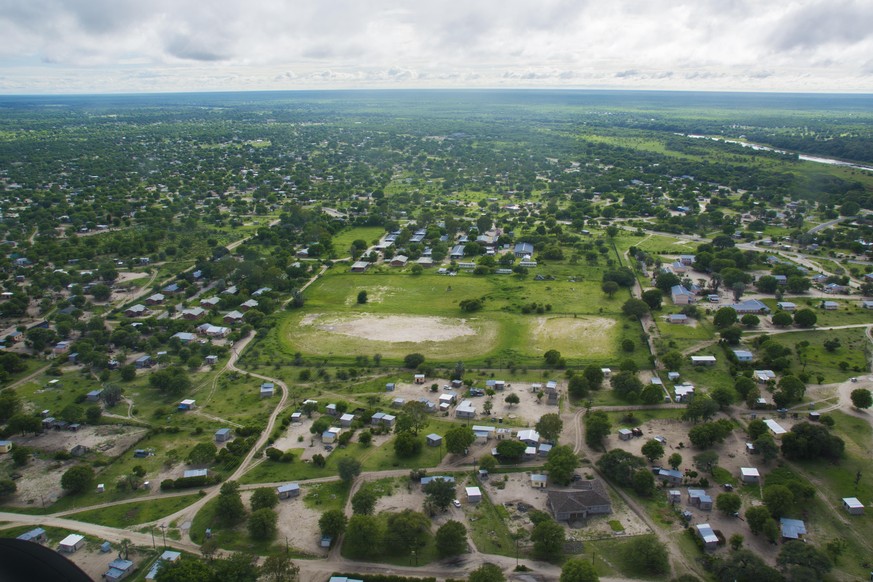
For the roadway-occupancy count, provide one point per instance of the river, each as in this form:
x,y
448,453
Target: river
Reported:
x,y
802,157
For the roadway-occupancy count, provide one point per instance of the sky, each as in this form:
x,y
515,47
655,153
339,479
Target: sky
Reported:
x,y
124,46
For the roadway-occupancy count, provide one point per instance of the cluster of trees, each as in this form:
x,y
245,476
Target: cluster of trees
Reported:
x,y
810,441
239,566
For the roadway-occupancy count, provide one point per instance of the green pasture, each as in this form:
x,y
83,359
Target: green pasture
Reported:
x,y
848,313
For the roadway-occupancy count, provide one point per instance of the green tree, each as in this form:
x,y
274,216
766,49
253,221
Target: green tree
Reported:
x,y
725,317
644,482
280,568
413,361
675,461
653,298
363,533
798,553
635,308
756,516
562,461
512,399
548,540
723,396
728,503
172,380
511,450
653,450
262,524
184,571
487,462
348,468
487,573
20,456
407,445
609,287
771,530
362,297
706,461
332,523
550,426
701,407
440,493
578,570
406,531
673,360
744,566
264,498
459,439
202,453
646,555
767,447
73,413
553,358
781,319
805,318
750,320
597,428
77,479
364,501
862,398
778,499
627,386
451,539
620,466
229,505
594,375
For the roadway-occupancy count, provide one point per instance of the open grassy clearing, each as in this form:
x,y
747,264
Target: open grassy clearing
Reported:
x,y
489,529
666,245
854,349
326,496
849,312
406,314
342,241
129,514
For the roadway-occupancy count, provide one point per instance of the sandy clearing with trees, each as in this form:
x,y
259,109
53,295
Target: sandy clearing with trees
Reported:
x,y
547,332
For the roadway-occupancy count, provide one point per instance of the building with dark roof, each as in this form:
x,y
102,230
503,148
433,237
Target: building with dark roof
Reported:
x,y
587,498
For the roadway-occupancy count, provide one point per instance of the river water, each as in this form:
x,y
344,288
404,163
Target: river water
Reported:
x,y
802,157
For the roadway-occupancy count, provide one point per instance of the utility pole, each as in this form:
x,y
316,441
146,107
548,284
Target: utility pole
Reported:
x,y
164,532
152,529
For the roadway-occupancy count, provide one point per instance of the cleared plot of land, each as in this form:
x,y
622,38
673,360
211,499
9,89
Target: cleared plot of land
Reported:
x,y
393,336
574,337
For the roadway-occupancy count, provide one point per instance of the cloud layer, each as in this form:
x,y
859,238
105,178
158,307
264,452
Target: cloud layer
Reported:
x,y
63,46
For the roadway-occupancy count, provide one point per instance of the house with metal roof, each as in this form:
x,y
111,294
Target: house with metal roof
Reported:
x,y
792,529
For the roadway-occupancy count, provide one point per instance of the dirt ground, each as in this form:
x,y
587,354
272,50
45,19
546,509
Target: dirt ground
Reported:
x,y
516,490
392,328
526,413
311,444
95,564
43,477
297,523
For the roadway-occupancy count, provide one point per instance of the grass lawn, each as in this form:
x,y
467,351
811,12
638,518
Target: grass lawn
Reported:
x,y
326,496
618,419
667,245
342,241
849,312
31,365
133,513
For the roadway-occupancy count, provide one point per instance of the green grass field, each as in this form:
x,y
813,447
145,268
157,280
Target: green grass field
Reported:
x,y
404,312
342,241
129,514
854,349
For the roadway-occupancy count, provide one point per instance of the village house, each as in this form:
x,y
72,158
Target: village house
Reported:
x,y
703,360
853,506
223,435
792,529
168,556
288,490
681,296
71,543
744,356
706,533
360,267
699,498
155,299
749,475
434,440
118,570
137,310
36,535
588,498
193,313
233,317
539,481
466,409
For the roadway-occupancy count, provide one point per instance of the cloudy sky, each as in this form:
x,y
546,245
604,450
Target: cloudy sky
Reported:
x,y
107,46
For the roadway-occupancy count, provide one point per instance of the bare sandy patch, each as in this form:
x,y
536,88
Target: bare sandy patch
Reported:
x,y
393,328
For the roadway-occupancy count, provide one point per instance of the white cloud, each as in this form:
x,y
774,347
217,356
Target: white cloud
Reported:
x,y
168,45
